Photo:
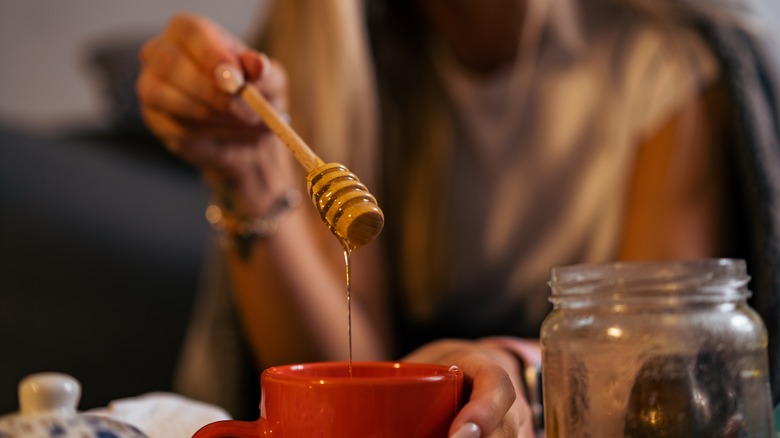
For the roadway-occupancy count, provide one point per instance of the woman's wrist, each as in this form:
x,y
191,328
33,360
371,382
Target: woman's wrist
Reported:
x,y
241,231
244,213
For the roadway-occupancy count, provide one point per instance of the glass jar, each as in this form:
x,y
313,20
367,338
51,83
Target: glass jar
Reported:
x,y
651,349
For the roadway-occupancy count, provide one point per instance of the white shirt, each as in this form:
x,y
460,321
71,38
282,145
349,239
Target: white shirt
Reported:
x,y
541,157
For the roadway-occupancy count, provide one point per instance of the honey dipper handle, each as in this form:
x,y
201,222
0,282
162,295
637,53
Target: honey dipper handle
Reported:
x,y
308,159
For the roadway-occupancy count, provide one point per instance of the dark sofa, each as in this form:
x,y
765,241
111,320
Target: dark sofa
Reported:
x,y
101,241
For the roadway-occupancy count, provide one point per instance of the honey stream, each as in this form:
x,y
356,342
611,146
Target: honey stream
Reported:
x,y
348,269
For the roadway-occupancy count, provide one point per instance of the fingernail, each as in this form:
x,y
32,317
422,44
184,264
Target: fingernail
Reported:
x,y
244,112
266,65
468,430
229,78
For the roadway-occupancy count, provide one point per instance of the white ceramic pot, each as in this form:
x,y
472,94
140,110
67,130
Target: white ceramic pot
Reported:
x,y
47,409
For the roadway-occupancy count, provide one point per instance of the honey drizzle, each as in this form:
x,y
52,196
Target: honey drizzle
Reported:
x,y
348,271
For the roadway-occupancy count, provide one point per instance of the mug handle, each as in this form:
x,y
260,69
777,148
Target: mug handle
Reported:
x,y
229,429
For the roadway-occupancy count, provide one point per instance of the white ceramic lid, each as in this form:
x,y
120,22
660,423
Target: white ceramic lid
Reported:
x,y
48,408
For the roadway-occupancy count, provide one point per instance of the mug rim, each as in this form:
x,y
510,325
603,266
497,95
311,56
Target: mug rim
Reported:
x,y
429,373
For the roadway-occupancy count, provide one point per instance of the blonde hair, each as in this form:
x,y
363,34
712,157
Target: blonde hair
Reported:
x,y
324,48
335,86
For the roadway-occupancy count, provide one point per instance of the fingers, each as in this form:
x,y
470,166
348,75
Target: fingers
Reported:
x,y
165,62
273,85
492,396
494,408
195,65
204,42
164,97
174,130
212,148
268,76
256,65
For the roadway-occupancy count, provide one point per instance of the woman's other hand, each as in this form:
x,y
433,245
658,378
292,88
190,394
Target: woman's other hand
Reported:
x,y
496,406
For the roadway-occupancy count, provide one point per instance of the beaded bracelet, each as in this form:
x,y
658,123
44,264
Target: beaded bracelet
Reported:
x,y
241,231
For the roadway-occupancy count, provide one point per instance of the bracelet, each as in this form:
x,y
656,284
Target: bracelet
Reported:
x,y
532,377
243,231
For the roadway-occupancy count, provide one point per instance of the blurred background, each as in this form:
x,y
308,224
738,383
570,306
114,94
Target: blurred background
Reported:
x,y
101,231
51,51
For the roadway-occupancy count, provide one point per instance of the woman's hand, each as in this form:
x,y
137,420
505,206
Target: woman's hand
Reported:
x,y
496,405
186,87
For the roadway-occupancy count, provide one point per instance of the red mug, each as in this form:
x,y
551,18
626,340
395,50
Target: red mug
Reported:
x,y
364,399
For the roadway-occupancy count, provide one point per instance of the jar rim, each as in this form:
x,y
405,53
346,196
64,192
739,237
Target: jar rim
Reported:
x,y
691,278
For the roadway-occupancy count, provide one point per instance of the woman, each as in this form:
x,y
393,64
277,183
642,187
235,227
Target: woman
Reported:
x,y
500,138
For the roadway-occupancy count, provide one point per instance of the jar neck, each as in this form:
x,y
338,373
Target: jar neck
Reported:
x,y
670,283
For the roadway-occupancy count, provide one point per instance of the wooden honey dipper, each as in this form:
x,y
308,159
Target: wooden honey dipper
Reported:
x,y
344,203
